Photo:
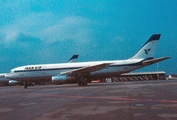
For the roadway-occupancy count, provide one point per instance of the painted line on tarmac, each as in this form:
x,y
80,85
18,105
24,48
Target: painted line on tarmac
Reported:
x,y
106,98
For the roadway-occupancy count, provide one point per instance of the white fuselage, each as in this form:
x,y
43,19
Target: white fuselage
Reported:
x,y
46,71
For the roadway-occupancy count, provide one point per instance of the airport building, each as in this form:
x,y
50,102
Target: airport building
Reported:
x,y
139,76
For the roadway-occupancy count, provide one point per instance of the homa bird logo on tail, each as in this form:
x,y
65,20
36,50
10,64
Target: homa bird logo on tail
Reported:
x,y
147,50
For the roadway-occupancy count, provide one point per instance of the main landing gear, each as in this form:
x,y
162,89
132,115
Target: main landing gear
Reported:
x,y
82,82
26,84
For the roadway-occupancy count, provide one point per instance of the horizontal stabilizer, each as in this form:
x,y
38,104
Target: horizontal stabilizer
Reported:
x,y
152,61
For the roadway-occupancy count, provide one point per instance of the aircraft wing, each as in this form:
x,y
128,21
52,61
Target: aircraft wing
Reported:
x,y
86,69
149,62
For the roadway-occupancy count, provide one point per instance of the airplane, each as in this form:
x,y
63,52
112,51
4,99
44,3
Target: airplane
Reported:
x,y
84,72
6,81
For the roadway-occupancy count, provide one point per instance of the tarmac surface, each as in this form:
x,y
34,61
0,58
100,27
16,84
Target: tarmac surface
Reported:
x,y
138,100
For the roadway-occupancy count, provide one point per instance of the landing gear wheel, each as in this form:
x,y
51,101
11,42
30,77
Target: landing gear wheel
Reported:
x,y
25,86
83,82
86,84
79,84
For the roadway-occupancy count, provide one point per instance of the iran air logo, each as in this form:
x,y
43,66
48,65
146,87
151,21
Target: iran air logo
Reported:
x,y
147,51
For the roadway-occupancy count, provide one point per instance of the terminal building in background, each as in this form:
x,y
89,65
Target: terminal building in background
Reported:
x,y
139,76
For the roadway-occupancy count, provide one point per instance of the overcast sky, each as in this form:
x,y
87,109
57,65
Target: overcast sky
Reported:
x,y
51,31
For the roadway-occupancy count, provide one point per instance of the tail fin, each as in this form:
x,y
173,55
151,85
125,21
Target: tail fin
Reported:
x,y
149,48
73,58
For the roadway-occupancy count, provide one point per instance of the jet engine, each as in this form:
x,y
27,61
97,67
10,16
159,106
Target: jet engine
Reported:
x,y
61,79
12,82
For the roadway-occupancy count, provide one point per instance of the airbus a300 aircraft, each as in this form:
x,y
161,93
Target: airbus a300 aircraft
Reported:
x,y
84,72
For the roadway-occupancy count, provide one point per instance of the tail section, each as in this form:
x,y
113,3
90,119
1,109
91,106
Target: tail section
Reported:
x,y
149,48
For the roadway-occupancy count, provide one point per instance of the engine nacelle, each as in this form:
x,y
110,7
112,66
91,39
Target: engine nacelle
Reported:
x,y
12,82
61,79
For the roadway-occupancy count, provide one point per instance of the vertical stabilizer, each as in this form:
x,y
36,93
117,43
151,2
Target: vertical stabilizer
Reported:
x,y
149,48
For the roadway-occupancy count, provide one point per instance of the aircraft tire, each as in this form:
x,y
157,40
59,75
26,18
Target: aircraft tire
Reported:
x,y
25,86
79,84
